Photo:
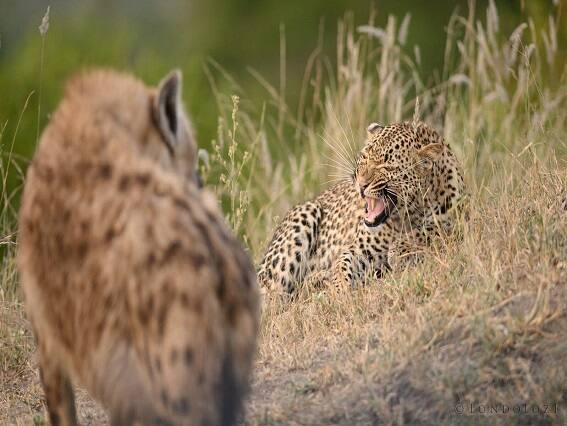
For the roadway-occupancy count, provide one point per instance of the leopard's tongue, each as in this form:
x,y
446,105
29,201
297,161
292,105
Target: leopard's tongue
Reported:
x,y
374,207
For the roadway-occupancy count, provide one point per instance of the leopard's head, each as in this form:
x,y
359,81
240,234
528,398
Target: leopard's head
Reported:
x,y
393,166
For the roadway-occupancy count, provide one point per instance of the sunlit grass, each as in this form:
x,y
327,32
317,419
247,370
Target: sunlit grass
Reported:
x,y
482,319
16,344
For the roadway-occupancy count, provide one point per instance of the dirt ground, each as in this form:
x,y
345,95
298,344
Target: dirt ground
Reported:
x,y
447,384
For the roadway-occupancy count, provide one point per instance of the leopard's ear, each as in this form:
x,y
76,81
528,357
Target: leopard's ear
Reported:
x,y
168,110
428,155
373,129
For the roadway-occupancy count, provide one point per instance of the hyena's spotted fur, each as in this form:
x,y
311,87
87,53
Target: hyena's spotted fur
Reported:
x,y
134,286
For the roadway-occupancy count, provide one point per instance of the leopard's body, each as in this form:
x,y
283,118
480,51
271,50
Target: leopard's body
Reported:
x,y
406,187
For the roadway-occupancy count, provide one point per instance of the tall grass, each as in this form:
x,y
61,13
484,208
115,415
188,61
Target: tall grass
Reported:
x,y
15,337
500,98
482,319
16,343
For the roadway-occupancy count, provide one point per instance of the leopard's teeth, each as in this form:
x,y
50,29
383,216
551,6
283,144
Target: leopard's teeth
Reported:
x,y
371,203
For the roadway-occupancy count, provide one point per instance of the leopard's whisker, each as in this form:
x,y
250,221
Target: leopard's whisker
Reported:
x,y
351,155
339,154
345,135
353,146
341,176
336,180
338,163
338,148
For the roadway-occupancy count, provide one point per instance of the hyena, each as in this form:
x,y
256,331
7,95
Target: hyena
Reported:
x,y
134,287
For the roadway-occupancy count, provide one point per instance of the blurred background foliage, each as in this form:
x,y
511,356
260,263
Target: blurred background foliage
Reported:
x,y
205,38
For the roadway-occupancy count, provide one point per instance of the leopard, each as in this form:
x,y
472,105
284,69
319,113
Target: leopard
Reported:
x,y
135,288
407,187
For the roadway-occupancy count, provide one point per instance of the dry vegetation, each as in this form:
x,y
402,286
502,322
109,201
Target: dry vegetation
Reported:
x,y
481,324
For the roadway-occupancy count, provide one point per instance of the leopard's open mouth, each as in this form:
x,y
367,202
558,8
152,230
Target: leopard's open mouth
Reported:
x,y
378,209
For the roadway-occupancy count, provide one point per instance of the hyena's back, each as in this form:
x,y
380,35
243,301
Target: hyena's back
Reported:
x,y
134,287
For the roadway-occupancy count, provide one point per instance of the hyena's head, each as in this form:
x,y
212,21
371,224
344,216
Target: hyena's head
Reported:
x,y
151,120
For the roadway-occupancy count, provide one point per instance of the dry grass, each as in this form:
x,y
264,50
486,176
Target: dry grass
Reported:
x,y
481,324
481,321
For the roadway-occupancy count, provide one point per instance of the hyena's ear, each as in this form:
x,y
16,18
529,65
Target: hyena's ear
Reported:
x,y
427,155
373,129
168,109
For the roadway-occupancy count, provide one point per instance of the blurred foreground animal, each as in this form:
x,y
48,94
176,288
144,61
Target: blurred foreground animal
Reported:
x,y
134,286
